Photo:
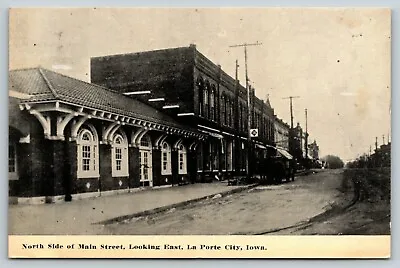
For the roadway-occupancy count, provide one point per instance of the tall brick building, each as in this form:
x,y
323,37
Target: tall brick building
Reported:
x,y
146,119
196,92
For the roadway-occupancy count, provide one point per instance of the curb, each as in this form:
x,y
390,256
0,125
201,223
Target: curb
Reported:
x,y
175,205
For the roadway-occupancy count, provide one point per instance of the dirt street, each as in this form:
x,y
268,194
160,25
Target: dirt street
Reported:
x,y
367,214
272,209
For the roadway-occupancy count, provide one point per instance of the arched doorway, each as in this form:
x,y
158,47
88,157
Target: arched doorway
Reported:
x,y
146,163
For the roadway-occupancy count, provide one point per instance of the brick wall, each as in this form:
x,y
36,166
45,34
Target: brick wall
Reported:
x,y
167,73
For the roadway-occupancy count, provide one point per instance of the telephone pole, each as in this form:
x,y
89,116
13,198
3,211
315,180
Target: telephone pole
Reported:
x,y
306,141
291,108
245,45
292,144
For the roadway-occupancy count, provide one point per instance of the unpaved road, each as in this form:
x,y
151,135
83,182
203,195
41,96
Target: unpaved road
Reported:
x,y
274,209
367,214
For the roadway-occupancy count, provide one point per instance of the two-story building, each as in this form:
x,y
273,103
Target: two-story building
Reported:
x,y
193,90
281,134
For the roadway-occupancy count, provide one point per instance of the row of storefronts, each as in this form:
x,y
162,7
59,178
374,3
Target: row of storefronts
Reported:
x,y
148,119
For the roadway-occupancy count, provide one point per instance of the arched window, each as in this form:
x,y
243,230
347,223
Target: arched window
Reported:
x,y
223,113
228,111
182,159
88,156
231,113
119,156
206,100
212,104
165,159
201,97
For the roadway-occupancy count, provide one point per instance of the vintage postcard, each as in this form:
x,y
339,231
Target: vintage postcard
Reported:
x,y
199,132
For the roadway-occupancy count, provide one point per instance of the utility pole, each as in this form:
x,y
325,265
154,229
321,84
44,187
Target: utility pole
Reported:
x,y
236,71
238,120
292,148
291,108
306,142
376,144
245,45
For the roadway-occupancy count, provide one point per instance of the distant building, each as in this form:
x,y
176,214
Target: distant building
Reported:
x,y
313,150
296,142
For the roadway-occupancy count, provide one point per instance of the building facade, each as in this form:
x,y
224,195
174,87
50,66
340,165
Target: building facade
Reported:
x,y
282,130
196,92
147,119
68,137
313,150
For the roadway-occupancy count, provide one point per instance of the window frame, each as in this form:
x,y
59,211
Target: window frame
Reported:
x,y
200,88
93,171
13,175
166,151
182,151
146,149
119,149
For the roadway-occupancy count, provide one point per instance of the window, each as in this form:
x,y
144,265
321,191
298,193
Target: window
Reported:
x,y
223,108
12,158
240,117
228,110
231,114
165,159
119,156
12,162
88,159
182,159
201,97
212,105
205,101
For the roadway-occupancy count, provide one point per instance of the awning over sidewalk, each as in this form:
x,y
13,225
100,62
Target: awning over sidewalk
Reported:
x,y
215,135
260,146
284,153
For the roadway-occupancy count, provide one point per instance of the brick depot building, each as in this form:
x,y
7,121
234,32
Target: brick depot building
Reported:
x,y
70,137
146,119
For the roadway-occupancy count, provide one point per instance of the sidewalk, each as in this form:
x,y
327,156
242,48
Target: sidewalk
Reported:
x,y
77,217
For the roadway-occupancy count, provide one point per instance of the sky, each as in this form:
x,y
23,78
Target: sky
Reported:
x,y
336,60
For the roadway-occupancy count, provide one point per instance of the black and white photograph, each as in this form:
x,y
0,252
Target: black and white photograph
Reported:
x,y
199,121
